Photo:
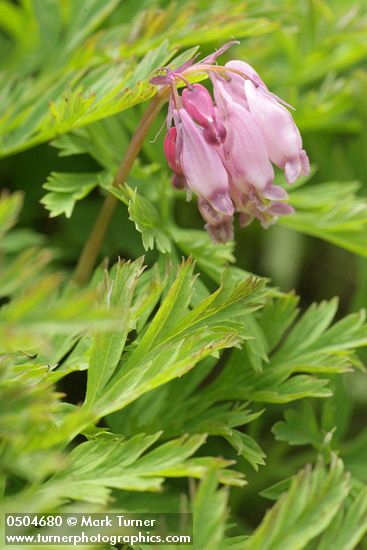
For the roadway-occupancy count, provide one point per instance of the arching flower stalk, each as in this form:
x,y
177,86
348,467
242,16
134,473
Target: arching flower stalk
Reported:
x,y
223,149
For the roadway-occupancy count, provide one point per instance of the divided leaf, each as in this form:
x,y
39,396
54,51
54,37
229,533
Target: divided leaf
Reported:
x,y
312,501
108,462
178,338
210,513
348,527
312,347
67,189
10,206
107,347
300,427
333,212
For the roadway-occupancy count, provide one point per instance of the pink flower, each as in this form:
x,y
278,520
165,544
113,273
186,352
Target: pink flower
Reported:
x,y
223,150
203,169
246,69
169,146
282,136
170,150
245,153
245,156
199,104
219,226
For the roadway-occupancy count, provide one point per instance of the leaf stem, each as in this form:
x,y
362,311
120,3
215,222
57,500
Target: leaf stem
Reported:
x,y
93,245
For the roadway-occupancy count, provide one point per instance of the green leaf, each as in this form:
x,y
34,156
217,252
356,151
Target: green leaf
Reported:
x,y
21,239
355,455
75,98
310,347
109,462
182,406
349,526
277,316
41,310
210,257
82,21
104,140
333,212
210,513
67,189
299,427
10,206
23,270
277,490
176,340
305,333
107,347
32,422
247,447
146,219
312,501
229,305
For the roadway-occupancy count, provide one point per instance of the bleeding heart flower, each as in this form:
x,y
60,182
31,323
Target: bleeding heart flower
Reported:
x,y
282,136
223,149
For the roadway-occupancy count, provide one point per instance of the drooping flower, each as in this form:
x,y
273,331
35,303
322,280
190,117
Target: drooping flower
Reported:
x,y
204,171
282,136
223,149
245,153
246,158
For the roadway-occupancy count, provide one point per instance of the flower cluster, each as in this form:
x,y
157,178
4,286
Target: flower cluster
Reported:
x,y
223,150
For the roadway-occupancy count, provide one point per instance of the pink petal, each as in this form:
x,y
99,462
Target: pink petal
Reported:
x,y
305,163
202,167
234,87
281,134
246,69
274,192
281,209
245,150
221,233
199,104
169,146
292,169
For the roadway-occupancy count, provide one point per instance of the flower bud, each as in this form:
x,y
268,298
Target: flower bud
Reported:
x,y
199,104
169,146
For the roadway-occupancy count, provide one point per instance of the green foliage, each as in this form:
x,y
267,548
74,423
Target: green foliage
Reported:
x,y
48,106
108,462
349,526
309,506
57,93
311,347
332,212
210,520
106,348
175,340
66,189
40,310
172,380
146,219
299,427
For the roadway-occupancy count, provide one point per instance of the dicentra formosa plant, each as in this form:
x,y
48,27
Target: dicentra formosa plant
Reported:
x,y
223,150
